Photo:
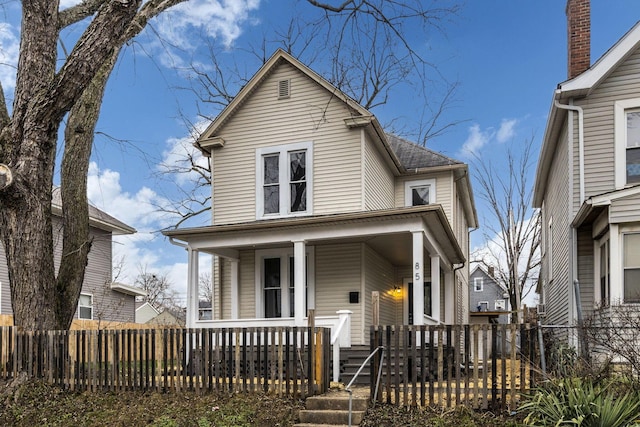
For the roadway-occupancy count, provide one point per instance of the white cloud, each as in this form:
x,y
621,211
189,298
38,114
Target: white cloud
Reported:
x,y
9,52
506,130
475,141
178,154
219,19
68,3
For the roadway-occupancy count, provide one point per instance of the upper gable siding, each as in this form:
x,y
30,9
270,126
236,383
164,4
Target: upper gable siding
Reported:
x,y
379,191
556,204
444,189
625,210
623,83
310,114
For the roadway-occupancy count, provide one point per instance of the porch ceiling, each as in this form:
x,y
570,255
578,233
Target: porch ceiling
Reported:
x,y
386,231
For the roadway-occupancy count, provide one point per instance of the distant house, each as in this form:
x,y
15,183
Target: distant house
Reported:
x,y
316,207
100,298
145,312
588,180
489,301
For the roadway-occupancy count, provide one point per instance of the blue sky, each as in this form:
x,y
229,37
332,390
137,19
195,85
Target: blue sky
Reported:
x,y
507,55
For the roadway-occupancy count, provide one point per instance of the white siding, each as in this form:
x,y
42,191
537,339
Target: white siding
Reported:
x,y
625,210
247,294
379,276
338,272
585,269
557,291
310,114
379,191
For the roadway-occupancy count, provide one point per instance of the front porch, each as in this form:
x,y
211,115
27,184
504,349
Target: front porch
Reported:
x,y
269,273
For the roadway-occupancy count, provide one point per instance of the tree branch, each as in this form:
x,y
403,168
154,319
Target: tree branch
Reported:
x,y
78,12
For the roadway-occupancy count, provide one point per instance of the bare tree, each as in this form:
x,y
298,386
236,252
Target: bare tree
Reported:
x,y
157,286
205,287
512,232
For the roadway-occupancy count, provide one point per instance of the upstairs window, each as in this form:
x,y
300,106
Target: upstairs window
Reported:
x,y
633,147
478,284
284,180
420,192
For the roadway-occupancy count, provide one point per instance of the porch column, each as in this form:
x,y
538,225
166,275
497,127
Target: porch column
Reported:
x,y
235,289
300,278
449,299
192,287
418,277
435,288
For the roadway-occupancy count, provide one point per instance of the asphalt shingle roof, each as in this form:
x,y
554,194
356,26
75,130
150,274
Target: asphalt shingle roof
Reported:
x,y
414,156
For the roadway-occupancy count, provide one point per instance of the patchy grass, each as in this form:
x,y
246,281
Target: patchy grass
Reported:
x,y
33,403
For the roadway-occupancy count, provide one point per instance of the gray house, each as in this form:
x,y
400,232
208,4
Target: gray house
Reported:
x,y
100,298
488,300
587,180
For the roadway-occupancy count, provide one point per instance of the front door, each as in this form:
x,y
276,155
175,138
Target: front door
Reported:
x,y
408,318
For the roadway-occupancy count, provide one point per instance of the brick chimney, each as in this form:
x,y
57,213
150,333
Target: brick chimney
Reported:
x,y
578,36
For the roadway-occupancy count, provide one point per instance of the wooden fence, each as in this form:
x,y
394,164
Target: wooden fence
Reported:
x,y
481,366
287,361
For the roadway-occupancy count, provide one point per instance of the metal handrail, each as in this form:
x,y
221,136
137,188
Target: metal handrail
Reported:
x,y
375,394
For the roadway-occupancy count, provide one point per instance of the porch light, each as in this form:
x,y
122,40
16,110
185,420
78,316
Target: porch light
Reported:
x,y
397,290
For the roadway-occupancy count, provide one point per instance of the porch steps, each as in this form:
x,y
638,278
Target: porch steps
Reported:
x,y
352,358
332,409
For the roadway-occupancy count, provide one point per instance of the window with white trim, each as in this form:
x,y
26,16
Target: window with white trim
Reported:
x,y
85,306
605,278
420,192
632,147
284,180
478,284
631,265
275,282
483,306
500,305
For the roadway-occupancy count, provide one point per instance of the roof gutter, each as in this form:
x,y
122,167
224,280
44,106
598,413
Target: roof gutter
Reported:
x,y
580,141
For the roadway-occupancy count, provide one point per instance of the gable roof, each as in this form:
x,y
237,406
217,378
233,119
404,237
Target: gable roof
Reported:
x,y
580,86
97,218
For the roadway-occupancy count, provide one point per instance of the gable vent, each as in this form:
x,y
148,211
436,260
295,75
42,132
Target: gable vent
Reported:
x,y
284,89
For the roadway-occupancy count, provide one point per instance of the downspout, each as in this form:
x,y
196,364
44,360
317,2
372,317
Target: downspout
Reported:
x,y
580,141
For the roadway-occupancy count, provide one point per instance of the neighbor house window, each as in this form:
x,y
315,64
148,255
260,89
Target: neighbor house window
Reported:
x,y
632,145
284,180
500,304
631,261
483,306
478,284
420,192
85,306
275,282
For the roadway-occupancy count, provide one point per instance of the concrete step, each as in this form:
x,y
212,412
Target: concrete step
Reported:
x,y
330,416
340,402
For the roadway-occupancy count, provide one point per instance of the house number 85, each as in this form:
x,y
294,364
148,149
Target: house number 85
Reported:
x,y
417,276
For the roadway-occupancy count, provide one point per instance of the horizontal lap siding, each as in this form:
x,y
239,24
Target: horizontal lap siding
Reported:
x,y
310,114
338,272
247,294
625,210
379,276
585,270
557,291
379,190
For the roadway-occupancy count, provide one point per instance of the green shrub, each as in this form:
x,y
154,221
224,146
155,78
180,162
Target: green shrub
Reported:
x,y
580,402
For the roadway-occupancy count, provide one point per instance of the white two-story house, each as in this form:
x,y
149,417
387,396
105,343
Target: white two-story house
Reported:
x,y
316,207
588,179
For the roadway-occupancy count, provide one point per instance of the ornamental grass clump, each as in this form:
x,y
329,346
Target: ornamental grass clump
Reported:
x,y
581,402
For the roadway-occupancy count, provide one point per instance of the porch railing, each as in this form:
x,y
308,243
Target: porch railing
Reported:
x,y
285,361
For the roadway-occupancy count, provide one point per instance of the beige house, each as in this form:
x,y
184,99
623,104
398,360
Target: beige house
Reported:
x,y
101,298
588,176
316,207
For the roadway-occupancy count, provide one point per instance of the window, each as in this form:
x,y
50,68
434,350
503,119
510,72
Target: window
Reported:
x,y
500,305
284,180
275,283
631,260
421,192
483,306
478,284
85,306
632,145
605,263
428,305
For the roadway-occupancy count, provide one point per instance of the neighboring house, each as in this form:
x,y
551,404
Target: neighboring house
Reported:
x,y
316,207
145,312
488,300
100,298
587,180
